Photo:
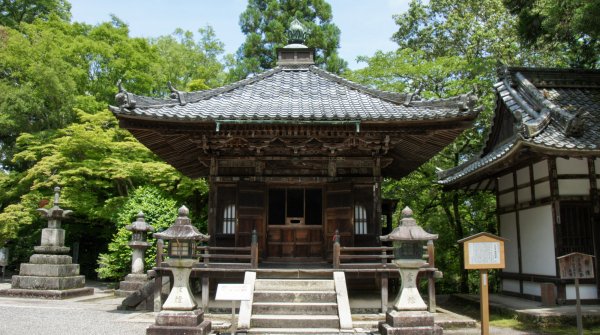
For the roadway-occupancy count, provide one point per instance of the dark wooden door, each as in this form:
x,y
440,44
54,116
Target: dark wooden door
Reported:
x,y
338,215
251,214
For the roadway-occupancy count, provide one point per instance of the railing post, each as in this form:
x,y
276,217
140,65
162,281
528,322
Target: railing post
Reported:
x,y
160,244
254,250
336,250
205,259
158,278
431,277
384,281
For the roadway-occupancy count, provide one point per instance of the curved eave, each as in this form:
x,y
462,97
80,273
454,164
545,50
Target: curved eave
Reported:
x,y
505,156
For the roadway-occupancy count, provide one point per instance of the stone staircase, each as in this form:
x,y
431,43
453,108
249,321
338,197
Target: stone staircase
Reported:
x,y
296,306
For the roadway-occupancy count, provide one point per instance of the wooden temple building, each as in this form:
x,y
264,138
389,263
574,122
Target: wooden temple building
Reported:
x,y
295,153
542,161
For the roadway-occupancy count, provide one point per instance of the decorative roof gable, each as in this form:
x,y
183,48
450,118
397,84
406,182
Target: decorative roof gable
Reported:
x,y
555,111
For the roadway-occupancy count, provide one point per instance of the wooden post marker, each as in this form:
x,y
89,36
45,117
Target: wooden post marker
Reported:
x,y
576,266
482,252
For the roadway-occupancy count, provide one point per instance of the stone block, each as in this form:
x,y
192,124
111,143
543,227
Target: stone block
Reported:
x,y
385,329
130,286
48,249
48,294
177,318
134,277
53,237
50,259
409,319
203,329
47,283
49,270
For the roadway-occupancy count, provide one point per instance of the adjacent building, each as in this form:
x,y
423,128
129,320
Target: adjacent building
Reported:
x,y
542,160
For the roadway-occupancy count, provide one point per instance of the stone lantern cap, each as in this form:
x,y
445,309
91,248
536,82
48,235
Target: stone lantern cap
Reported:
x,y
408,230
55,212
182,229
139,225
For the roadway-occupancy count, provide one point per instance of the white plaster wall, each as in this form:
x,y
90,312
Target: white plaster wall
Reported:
x,y
508,230
588,291
505,182
510,285
524,194
542,190
532,288
540,169
571,166
573,186
537,241
597,165
506,199
523,176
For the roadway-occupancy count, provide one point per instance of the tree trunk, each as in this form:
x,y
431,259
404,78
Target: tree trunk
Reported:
x,y
458,229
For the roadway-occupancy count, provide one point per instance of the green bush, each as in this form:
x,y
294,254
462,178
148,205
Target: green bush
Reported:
x,y
160,211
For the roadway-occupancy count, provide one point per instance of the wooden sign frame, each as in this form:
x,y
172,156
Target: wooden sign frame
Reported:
x,y
484,251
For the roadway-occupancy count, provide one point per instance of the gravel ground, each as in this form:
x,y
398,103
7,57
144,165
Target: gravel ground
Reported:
x,y
66,317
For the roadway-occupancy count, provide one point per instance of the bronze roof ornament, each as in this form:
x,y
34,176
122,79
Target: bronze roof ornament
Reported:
x,y
297,33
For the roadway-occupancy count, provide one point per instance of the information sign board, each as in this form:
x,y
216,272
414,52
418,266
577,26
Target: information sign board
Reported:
x,y
576,265
483,251
233,292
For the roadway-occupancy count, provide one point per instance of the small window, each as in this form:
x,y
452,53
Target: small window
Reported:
x,y
229,220
360,220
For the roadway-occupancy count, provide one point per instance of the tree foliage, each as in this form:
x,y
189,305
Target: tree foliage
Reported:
x,y
265,23
13,12
569,25
447,48
160,211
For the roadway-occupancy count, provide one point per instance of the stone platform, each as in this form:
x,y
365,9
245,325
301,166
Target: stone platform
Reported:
x,y
49,277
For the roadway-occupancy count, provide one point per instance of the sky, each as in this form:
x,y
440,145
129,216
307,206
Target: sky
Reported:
x,y
366,25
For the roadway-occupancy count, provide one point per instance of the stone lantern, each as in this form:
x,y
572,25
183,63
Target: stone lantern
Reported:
x,y
409,241
50,272
179,313
137,278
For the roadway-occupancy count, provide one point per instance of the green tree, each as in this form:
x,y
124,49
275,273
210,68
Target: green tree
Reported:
x,y
447,48
160,211
265,23
98,165
187,63
566,25
13,12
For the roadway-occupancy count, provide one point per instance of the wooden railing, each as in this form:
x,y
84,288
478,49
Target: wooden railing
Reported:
x,y
380,258
222,257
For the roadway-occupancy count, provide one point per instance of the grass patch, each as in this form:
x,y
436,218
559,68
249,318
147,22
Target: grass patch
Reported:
x,y
510,320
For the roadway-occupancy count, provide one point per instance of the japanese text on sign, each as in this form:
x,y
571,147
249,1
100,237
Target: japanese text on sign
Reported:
x,y
484,253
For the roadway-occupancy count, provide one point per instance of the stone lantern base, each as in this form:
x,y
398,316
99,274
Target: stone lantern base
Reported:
x,y
132,283
409,323
180,323
48,276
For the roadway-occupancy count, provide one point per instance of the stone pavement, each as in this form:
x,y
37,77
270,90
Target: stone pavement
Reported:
x,y
98,314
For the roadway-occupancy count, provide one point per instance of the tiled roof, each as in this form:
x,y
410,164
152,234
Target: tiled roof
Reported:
x,y
293,93
556,110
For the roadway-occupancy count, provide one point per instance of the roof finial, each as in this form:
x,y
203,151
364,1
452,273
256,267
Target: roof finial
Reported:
x,y
297,32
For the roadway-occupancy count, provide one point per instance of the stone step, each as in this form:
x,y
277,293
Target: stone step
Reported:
x,y
294,321
290,331
294,285
299,308
295,296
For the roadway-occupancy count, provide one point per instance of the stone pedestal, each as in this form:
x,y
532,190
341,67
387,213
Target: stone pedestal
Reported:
x,y
132,283
180,323
48,276
409,323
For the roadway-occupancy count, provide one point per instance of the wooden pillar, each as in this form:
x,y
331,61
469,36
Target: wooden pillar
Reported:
x,y
485,301
336,250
